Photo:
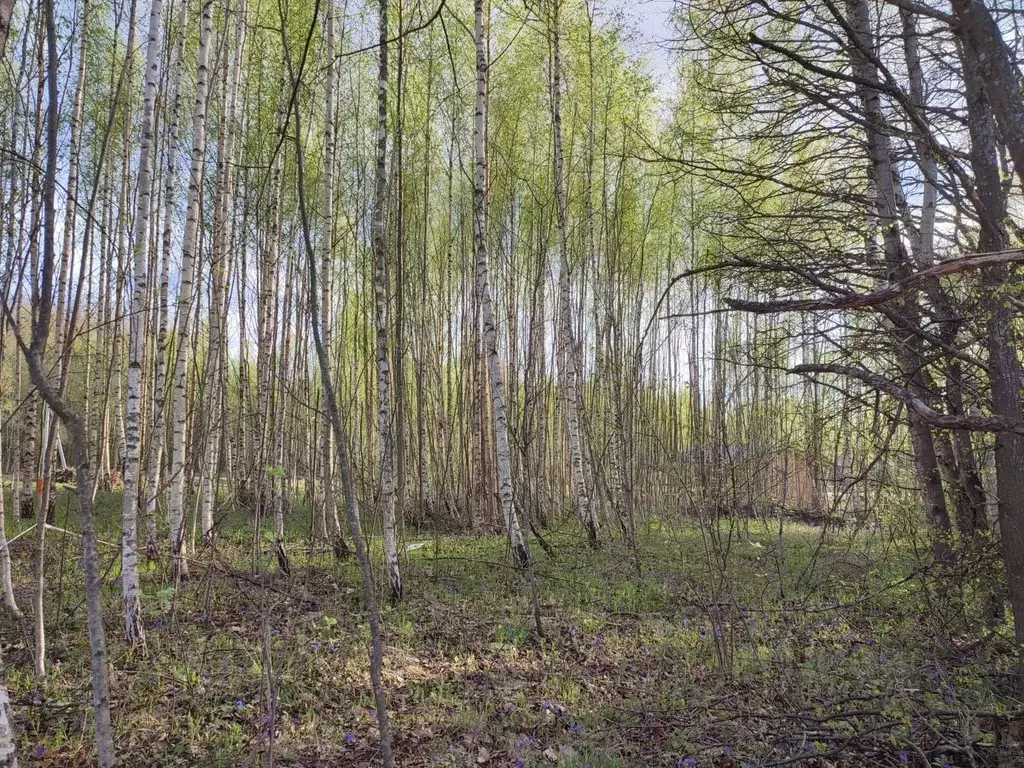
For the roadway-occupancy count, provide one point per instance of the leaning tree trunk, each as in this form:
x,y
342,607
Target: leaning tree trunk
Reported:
x,y
341,443
34,355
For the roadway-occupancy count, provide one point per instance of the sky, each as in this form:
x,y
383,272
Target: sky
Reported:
x,y
650,22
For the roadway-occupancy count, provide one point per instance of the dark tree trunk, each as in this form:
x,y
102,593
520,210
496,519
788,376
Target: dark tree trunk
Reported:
x,y
1000,76
1005,370
6,11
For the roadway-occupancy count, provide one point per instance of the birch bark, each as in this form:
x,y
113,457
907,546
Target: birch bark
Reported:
x,y
380,289
130,591
567,362
520,553
176,502
161,386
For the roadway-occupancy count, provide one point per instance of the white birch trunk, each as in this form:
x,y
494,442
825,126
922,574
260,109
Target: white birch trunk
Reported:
x,y
271,411
566,345
281,478
520,553
160,389
130,591
333,526
8,750
5,556
222,228
380,289
176,503
71,217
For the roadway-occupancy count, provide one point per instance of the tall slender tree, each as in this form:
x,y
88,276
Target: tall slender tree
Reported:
x,y
133,421
517,541
186,300
569,378
381,290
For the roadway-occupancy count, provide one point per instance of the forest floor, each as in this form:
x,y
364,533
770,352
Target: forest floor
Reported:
x,y
737,646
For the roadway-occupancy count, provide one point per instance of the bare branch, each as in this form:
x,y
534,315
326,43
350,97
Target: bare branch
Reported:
x,y
883,295
971,422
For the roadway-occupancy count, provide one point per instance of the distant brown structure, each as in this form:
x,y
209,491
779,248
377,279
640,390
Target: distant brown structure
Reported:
x,y
772,477
758,478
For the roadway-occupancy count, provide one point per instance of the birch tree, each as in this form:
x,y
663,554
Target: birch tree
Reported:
x,y
6,586
8,749
382,299
341,443
327,458
567,360
176,501
161,383
520,553
133,421
34,351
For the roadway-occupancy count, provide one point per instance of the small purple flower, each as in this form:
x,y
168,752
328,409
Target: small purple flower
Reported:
x,y
39,751
240,704
903,758
509,709
523,743
576,729
688,762
331,647
315,645
350,738
518,763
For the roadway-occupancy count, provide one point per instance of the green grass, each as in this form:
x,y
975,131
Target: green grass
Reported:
x,y
737,648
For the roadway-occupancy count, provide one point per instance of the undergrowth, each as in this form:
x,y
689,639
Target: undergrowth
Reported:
x,y
738,645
